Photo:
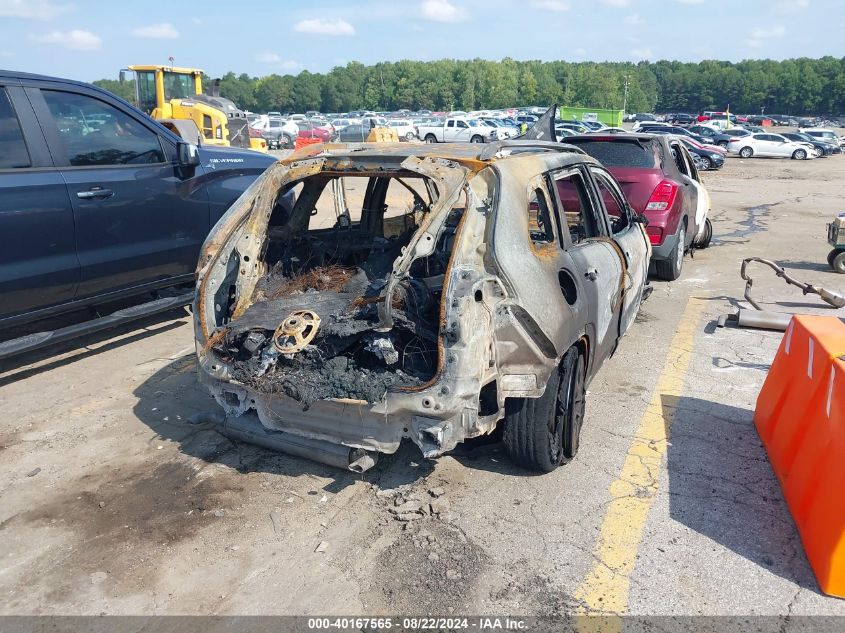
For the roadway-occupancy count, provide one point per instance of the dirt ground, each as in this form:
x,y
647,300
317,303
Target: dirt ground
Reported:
x,y
110,502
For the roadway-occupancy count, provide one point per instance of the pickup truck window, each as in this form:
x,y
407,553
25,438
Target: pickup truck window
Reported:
x,y
14,154
95,133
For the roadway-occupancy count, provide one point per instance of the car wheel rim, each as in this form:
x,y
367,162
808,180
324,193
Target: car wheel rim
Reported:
x,y
579,400
557,423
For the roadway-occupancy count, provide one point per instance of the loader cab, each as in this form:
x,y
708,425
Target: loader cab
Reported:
x,y
157,86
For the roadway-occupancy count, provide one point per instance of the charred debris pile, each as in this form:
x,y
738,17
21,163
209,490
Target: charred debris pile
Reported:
x,y
313,330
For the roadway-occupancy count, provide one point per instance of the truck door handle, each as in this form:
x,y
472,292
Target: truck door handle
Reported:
x,y
95,193
591,274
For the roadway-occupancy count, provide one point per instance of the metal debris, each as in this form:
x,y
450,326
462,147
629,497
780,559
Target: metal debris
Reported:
x,y
768,320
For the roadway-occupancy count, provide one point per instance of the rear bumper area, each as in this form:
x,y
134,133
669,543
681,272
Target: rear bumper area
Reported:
x,y
664,251
341,424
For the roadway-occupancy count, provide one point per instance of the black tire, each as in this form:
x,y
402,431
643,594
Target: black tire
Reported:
x,y
286,141
838,261
409,136
704,242
670,269
430,138
706,163
746,152
722,144
543,433
476,139
799,154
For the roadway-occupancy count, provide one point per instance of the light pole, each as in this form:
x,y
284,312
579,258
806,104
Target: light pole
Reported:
x,y
625,98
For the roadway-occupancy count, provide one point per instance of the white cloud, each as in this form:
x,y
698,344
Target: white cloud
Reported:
x,y
32,9
76,40
163,31
272,59
772,32
642,53
619,4
792,6
443,11
325,26
634,18
551,5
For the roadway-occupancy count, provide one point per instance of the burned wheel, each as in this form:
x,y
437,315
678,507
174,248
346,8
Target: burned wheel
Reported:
x,y
543,433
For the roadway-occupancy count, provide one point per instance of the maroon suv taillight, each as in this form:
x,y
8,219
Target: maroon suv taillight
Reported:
x,y
655,234
663,196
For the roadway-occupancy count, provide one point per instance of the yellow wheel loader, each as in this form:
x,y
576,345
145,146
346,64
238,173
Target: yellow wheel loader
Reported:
x,y
174,95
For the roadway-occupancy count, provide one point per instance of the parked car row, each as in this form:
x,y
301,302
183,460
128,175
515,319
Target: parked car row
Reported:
x,y
747,140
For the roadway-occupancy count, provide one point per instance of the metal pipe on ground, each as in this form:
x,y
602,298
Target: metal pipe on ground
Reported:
x,y
247,428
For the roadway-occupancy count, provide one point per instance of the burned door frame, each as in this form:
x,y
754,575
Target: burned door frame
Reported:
x,y
596,269
632,237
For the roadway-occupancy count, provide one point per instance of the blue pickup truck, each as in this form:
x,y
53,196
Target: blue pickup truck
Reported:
x,y
99,202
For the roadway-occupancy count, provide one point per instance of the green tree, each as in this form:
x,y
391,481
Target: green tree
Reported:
x,y
123,89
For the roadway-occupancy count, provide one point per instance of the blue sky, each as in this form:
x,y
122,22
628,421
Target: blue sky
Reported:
x,y
88,39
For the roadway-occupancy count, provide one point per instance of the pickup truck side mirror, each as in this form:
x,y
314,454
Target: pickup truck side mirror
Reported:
x,y
187,155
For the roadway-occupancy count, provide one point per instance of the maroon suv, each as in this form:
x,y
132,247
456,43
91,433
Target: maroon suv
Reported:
x,y
655,173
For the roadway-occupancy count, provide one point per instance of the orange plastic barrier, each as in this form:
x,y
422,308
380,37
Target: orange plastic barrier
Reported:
x,y
800,416
302,142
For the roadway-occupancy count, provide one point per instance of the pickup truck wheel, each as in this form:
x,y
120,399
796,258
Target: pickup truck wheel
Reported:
x,y
286,141
670,269
430,138
476,139
543,433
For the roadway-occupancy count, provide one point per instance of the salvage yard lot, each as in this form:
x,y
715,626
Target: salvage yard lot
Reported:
x,y
111,502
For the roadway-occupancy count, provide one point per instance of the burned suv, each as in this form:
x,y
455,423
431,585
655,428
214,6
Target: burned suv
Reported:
x,y
356,295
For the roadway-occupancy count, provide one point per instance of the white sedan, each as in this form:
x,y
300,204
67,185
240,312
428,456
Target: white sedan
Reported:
x,y
770,145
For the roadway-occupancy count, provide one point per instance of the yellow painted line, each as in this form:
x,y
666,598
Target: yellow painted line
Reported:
x,y
606,587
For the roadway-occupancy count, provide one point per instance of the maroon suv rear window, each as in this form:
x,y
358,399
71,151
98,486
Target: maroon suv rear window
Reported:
x,y
618,153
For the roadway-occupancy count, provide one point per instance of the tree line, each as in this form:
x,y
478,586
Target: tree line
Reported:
x,y
792,86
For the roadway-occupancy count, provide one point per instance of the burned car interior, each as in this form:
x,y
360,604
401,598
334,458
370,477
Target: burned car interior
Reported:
x,y
330,279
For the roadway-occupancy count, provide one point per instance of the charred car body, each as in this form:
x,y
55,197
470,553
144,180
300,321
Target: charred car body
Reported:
x,y
357,295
